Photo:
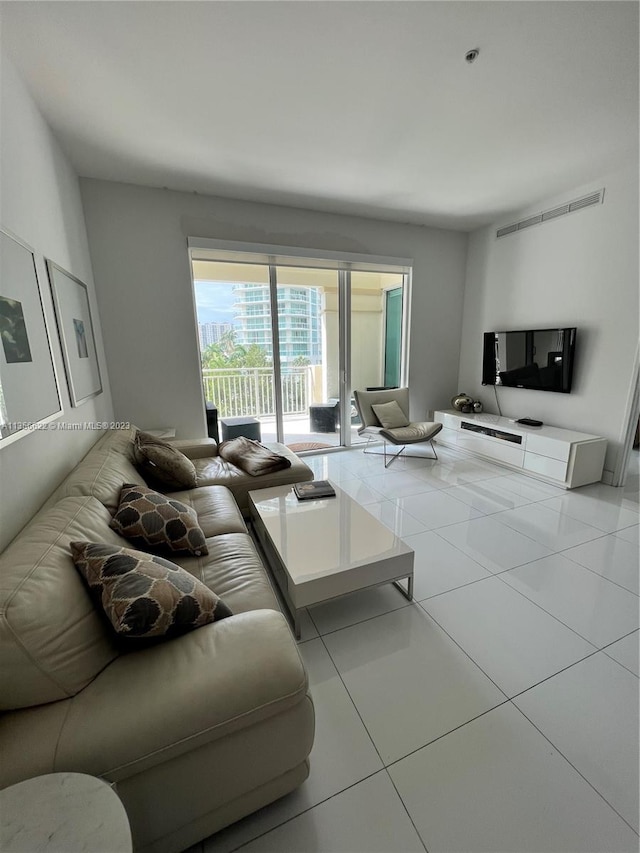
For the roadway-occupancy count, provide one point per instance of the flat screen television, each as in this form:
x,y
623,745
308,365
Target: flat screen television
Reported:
x,y
541,359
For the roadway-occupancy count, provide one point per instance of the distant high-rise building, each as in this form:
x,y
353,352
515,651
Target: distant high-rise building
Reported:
x,y
299,320
210,333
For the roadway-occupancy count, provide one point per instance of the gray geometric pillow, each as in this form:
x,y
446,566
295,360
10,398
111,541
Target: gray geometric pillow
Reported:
x,y
163,463
145,596
148,519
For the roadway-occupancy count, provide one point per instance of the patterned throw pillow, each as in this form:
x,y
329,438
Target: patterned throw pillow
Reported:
x,y
163,463
149,519
390,415
145,596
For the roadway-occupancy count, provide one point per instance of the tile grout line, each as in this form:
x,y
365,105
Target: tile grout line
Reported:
x,y
507,699
519,693
624,666
561,753
557,618
588,568
403,605
446,734
333,663
300,813
404,806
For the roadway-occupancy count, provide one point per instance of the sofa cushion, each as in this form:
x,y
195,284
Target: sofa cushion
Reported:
x,y
217,471
215,507
148,519
163,701
236,572
144,595
52,640
195,448
390,415
103,470
163,463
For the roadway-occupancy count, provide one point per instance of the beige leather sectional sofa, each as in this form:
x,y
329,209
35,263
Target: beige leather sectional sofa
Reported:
x,y
196,731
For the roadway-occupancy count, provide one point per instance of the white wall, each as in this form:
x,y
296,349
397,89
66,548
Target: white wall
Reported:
x,y
138,239
40,203
579,270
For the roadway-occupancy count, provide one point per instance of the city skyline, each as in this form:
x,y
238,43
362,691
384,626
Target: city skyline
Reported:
x,y
210,333
245,307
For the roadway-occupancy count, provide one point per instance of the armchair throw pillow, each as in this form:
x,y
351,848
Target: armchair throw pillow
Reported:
x,y
163,463
390,415
148,519
144,596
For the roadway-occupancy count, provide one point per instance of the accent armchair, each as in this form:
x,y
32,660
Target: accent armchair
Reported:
x,y
385,415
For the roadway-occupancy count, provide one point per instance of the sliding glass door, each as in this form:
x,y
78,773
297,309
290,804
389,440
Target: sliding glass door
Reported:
x,y
233,314
376,331
285,343
308,343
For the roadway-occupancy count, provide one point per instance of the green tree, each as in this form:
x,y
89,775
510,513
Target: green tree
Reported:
x,y
228,353
255,356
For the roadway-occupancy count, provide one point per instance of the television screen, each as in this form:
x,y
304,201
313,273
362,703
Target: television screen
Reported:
x,y
541,359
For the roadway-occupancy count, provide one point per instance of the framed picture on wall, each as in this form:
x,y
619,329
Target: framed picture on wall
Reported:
x,y
75,328
29,393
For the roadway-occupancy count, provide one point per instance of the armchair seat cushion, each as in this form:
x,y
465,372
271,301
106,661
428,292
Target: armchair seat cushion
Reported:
x,y
412,433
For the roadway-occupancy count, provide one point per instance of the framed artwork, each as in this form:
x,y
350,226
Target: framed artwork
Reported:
x,y
73,316
29,393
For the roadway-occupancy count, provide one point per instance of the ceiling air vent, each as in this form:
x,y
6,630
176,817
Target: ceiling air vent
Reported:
x,y
545,216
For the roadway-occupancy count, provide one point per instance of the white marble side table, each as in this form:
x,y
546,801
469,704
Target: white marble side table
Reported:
x,y
63,813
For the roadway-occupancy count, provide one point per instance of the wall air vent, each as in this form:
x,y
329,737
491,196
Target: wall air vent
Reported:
x,y
587,201
527,223
545,216
557,211
508,229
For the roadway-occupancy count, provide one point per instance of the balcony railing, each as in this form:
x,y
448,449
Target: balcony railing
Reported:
x,y
248,391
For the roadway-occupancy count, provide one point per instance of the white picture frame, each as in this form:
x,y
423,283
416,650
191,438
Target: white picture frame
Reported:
x,y
75,330
29,389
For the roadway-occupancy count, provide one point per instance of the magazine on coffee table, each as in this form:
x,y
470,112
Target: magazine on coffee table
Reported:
x,y
313,490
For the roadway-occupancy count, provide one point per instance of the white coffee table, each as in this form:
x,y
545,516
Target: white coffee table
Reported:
x,y
322,549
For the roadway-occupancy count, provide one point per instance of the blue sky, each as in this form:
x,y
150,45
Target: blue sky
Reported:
x,y
214,302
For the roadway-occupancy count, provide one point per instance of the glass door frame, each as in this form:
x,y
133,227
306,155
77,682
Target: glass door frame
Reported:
x,y
344,355
275,342
202,249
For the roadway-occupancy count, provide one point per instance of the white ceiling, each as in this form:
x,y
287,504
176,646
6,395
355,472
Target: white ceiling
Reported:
x,y
353,107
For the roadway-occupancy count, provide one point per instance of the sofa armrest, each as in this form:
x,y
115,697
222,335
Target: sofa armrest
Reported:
x,y
196,448
155,704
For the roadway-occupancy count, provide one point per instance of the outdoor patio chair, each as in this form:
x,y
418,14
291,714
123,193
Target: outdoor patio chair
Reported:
x,y
385,415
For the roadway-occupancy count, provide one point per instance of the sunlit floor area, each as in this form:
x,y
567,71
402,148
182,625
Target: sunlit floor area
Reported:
x,y
299,435
498,711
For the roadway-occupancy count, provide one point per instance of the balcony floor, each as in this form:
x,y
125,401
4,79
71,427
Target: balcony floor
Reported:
x,y
297,430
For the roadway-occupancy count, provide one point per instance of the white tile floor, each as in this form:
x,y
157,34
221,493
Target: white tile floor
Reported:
x,y
499,710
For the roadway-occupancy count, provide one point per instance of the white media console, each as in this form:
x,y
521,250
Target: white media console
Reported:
x,y
563,457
